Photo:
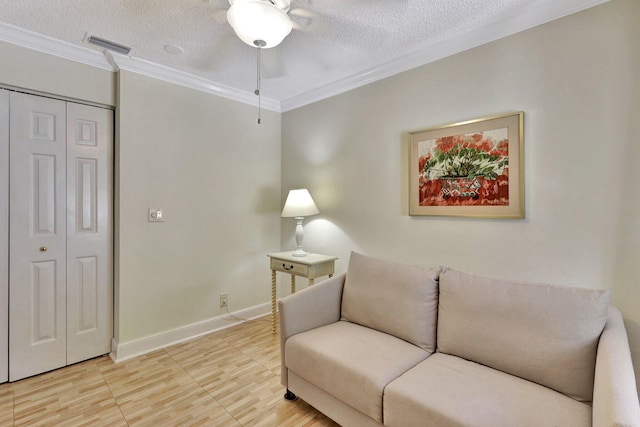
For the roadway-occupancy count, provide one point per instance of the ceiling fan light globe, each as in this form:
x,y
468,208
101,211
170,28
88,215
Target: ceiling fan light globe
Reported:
x,y
259,20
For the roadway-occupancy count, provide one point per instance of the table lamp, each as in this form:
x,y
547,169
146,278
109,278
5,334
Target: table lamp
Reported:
x,y
298,205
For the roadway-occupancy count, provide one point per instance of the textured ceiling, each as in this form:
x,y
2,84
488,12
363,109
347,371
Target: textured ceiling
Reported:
x,y
331,40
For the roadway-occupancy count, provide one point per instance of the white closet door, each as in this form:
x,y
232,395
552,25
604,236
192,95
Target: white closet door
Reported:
x,y
89,231
37,239
4,236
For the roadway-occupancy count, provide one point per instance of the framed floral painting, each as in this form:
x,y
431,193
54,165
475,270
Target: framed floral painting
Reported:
x,y
471,169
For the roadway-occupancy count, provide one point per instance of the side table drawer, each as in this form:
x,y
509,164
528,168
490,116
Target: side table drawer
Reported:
x,y
289,267
324,269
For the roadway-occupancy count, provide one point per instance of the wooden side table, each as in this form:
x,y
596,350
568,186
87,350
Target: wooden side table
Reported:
x,y
310,266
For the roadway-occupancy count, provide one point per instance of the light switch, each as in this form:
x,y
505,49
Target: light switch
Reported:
x,y
156,215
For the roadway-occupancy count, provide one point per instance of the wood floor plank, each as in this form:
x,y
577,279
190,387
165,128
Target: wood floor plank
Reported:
x,y
6,405
74,396
290,414
229,378
155,390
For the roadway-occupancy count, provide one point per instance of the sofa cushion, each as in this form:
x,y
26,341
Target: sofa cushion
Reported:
x,y
449,391
399,299
543,333
346,361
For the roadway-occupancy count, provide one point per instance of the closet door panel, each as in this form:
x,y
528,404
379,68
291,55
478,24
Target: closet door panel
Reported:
x,y
4,236
89,231
37,238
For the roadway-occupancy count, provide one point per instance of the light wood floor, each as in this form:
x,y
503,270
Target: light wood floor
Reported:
x,y
227,378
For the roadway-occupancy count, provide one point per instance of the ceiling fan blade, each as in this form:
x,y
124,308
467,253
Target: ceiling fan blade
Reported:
x,y
302,19
358,36
220,8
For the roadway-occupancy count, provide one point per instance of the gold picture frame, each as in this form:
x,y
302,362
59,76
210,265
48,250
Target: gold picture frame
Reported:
x,y
469,169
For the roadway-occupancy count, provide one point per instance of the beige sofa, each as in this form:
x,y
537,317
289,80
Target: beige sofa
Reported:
x,y
398,345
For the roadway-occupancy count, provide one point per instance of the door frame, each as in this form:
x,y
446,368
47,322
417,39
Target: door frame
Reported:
x,y
4,235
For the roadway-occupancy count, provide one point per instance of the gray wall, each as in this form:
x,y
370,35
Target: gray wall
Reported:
x,y
576,81
203,160
216,174
38,72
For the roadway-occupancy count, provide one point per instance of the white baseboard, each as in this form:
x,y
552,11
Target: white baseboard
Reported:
x,y
127,350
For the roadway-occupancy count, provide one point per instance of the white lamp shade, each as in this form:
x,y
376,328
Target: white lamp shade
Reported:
x,y
259,20
299,204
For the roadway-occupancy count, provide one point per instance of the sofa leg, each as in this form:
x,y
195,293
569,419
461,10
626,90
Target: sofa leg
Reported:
x,y
290,396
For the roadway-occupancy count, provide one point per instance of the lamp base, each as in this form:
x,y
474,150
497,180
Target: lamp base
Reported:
x,y
300,252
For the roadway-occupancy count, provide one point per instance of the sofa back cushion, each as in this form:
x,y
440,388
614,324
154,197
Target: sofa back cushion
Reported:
x,y
543,333
395,298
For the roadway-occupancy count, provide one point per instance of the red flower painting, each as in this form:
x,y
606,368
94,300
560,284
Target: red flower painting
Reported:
x,y
472,168
469,169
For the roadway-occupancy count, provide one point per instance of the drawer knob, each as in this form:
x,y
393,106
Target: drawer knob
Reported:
x,y
287,268
43,249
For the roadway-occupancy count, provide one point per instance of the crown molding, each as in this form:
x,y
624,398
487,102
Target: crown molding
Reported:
x,y
522,20
51,46
151,69
113,62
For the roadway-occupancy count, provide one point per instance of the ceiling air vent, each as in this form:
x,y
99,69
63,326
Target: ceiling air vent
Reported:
x,y
108,44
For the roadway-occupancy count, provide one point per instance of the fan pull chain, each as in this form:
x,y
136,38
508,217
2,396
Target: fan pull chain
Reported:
x,y
259,44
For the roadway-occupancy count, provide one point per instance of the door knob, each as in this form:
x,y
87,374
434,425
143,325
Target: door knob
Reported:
x,y
43,249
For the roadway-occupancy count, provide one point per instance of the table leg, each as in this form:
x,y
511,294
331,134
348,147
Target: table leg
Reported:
x,y
293,284
273,301
311,281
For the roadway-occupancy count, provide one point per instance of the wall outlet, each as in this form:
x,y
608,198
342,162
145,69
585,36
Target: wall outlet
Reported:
x,y
224,300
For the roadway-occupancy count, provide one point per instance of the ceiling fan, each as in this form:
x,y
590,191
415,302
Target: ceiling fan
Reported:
x,y
260,23
264,24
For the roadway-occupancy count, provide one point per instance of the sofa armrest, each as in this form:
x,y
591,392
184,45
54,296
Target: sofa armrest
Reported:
x,y
615,398
310,308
